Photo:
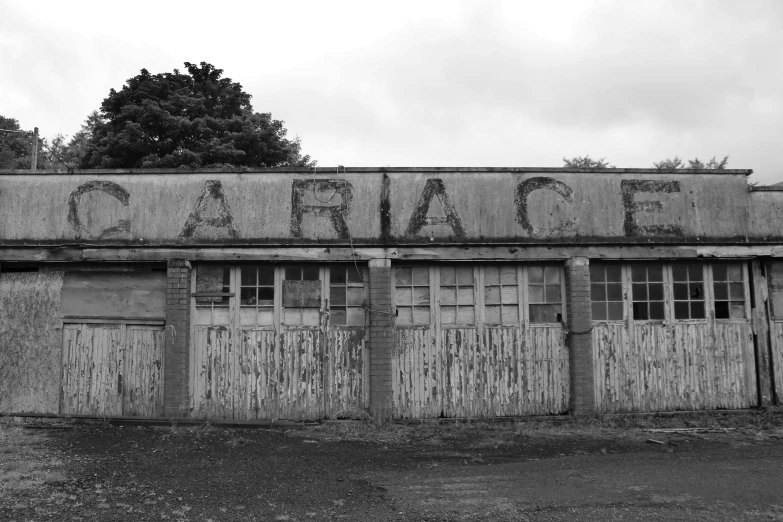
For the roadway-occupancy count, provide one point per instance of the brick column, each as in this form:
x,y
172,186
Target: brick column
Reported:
x,y
381,333
175,386
580,337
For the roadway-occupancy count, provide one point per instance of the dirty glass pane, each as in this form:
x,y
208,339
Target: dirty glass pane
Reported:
x,y
598,292
615,311
639,292
248,276
655,272
735,272
448,296
640,311
536,294
356,296
247,296
421,276
656,310
721,291
402,276
403,296
310,273
552,274
613,273
421,315
544,313
681,310
491,295
354,275
220,315
681,291
655,291
337,316
695,272
466,315
355,317
492,314
679,272
508,275
719,272
421,295
448,276
491,275
465,296
211,279
697,310
510,315
404,315
638,273
266,296
337,275
293,273
465,276
736,291
552,293
337,296
535,274
448,314
737,310
597,273
599,311
614,292
721,310
510,295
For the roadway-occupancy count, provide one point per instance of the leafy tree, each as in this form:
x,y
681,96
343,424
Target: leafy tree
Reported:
x,y
671,165
15,147
586,162
198,119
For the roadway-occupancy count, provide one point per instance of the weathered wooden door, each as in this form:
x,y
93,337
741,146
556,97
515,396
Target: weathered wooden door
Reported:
x,y
479,340
278,342
672,336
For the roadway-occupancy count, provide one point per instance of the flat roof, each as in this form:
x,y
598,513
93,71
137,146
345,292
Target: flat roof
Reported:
x,y
361,170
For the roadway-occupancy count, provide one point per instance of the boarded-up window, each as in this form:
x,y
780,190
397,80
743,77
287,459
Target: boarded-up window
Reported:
x,y
647,291
346,295
688,290
728,283
606,292
456,295
213,291
302,295
501,294
412,295
545,294
114,296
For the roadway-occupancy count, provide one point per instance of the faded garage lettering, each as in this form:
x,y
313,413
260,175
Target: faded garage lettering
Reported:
x,y
112,189
324,205
632,187
212,193
525,188
420,217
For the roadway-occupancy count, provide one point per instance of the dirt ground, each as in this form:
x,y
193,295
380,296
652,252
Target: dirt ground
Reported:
x,y
719,467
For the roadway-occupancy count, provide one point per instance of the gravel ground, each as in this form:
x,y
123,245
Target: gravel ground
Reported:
x,y
352,470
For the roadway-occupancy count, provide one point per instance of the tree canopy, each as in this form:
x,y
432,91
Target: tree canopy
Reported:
x,y
676,163
198,119
586,162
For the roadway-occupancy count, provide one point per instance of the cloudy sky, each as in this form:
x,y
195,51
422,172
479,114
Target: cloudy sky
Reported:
x,y
431,83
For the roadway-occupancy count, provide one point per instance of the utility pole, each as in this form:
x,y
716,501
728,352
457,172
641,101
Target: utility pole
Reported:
x,y
34,157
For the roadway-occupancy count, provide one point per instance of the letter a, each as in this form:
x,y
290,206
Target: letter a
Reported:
x,y
213,191
433,188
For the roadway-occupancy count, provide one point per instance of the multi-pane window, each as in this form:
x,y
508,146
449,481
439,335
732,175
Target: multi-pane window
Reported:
x,y
501,294
728,283
647,291
606,292
688,290
545,294
346,295
456,295
302,295
257,294
412,295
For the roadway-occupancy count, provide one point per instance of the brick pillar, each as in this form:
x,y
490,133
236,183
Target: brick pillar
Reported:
x,y
580,337
175,386
381,334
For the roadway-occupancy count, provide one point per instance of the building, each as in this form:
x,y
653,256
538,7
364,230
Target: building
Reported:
x,y
429,292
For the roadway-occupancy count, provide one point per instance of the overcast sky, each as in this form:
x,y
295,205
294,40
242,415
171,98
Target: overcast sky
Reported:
x,y
431,83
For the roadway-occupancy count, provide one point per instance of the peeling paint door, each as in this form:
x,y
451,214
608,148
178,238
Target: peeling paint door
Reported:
x,y
479,340
278,342
672,336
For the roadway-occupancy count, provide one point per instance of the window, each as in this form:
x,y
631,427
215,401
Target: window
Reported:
x,y
257,295
412,295
606,292
545,294
346,295
213,291
647,291
501,295
728,283
456,295
688,290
